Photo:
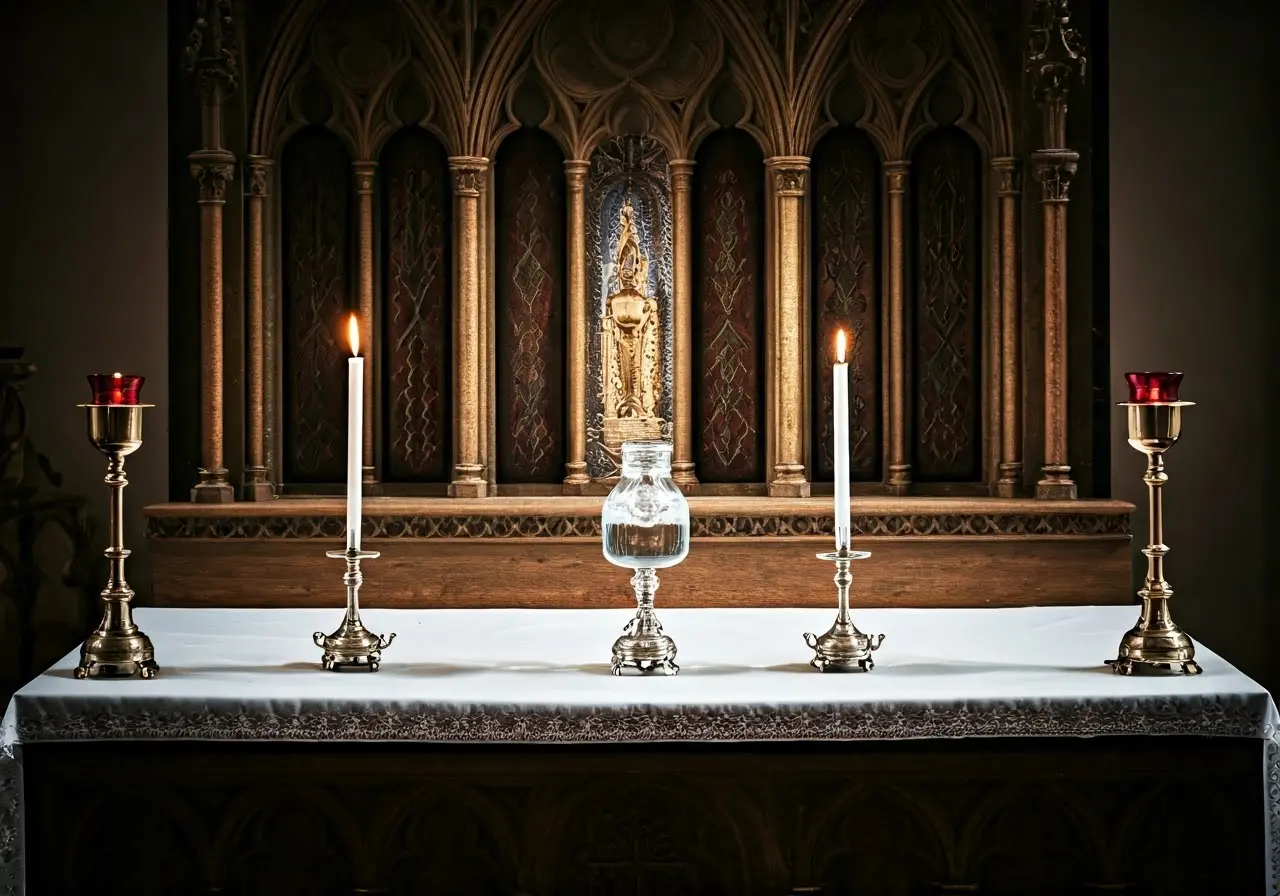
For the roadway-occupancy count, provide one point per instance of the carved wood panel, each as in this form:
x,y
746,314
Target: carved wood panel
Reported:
x,y
1008,817
417,329
529,286
846,295
946,180
316,175
728,260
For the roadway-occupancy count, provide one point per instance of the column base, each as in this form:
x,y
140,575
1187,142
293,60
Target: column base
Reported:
x,y
213,488
370,487
1010,482
789,482
899,482
684,474
576,479
1056,484
468,482
256,486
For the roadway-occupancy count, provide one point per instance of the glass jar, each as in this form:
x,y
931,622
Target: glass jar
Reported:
x,y
645,521
646,516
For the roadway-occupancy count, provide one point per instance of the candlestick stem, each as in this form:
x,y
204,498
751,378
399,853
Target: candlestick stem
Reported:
x,y
352,646
843,648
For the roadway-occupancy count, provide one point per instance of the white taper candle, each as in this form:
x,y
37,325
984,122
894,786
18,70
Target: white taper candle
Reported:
x,y
355,435
840,382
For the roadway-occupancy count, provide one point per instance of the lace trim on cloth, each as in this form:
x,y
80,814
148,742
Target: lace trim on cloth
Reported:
x,y
11,874
1271,777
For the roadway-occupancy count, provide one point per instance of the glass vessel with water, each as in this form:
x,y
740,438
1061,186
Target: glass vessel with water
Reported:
x,y
646,528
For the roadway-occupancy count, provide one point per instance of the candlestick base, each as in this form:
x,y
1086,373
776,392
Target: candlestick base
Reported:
x,y
117,654
1155,642
352,648
842,648
643,646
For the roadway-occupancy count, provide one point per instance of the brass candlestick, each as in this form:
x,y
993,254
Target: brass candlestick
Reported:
x,y
116,648
843,648
352,647
1155,423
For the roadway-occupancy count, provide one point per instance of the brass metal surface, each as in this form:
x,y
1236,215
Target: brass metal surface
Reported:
x,y
1156,641
643,646
352,647
116,648
842,648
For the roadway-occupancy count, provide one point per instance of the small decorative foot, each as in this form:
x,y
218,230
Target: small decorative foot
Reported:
x,y
867,665
1191,667
84,670
1121,667
148,668
616,666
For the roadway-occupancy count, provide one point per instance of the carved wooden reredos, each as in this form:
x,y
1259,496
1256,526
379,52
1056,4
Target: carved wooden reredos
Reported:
x,y
455,173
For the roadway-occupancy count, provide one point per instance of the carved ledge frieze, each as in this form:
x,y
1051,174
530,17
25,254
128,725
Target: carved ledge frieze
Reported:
x,y
727,526
212,169
210,55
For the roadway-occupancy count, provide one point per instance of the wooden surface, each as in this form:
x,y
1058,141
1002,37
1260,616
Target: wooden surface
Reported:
x,y
546,552
1177,816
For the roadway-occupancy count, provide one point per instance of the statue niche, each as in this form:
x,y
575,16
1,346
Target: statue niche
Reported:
x,y
630,344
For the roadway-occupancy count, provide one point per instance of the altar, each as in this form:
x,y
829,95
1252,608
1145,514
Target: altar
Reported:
x,y
990,751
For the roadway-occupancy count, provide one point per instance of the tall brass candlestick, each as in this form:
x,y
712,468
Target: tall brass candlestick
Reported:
x,y
1155,423
116,648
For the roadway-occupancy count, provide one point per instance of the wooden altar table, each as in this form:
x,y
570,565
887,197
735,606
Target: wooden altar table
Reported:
x,y
990,751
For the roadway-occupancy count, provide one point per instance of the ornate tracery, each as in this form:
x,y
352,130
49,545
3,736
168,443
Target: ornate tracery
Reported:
x,y
883,198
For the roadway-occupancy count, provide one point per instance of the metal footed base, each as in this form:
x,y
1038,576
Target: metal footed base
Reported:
x,y
644,647
1156,643
843,649
117,655
352,648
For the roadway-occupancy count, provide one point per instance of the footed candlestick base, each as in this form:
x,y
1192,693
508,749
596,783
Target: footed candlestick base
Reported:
x,y
1156,642
117,654
643,646
352,647
843,648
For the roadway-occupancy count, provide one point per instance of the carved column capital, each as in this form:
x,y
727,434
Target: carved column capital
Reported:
x,y
895,176
575,173
1007,175
789,173
363,172
468,174
681,174
209,57
1054,170
258,175
213,169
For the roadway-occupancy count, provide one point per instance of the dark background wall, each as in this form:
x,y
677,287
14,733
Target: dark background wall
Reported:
x,y
84,260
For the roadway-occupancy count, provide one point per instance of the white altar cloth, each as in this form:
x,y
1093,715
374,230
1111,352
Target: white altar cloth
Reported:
x,y
542,676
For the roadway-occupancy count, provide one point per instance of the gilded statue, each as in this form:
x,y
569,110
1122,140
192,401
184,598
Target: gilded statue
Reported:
x,y
630,344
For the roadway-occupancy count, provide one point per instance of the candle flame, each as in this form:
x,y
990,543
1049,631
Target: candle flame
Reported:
x,y
353,335
117,375
839,346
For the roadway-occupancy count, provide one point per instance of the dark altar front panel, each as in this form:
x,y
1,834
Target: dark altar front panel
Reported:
x,y
1159,815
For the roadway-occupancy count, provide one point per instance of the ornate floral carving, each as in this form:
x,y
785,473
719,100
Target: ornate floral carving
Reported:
x,y
1054,170
1055,49
210,55
711,526
468,175
789,179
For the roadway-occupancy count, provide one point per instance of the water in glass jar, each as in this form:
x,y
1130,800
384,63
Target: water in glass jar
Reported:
x,y
647,547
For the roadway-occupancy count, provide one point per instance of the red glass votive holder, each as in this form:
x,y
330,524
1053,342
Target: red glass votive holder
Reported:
x,y
1148,387
115,388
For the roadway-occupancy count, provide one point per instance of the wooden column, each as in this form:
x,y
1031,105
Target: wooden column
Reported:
x,y
257,475
469,173
488,340
363,174
899,466
789,174
1054,57
213,169
1008,276
576,478
682,465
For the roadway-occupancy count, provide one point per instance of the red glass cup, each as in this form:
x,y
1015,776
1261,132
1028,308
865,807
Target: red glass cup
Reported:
x,y
1148,387
115,388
